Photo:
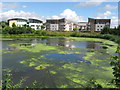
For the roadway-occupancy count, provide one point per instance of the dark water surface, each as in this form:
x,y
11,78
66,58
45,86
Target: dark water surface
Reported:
x,y
71,65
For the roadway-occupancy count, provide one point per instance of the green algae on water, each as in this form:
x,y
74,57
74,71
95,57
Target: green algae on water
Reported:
x,y
53,72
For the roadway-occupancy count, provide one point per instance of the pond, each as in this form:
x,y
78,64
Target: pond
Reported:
x,y
59,62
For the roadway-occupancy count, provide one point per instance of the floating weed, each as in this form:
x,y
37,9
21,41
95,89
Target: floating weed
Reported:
x,y
37,63
36,48
14,45
53,72
42,66
23,62
32,64
104,83
33,59
39,47
63,86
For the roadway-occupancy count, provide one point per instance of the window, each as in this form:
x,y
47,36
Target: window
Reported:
x,y
32,25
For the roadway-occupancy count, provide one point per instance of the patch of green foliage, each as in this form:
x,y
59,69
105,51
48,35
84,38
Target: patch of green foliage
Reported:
x,y
114,31
116,68
8,83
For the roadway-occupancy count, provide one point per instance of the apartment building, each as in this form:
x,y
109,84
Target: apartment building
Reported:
x,y
33,23
97,24
59,25
82,26
75,26
17,21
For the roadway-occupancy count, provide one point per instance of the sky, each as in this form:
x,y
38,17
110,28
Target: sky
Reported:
x,y
73,11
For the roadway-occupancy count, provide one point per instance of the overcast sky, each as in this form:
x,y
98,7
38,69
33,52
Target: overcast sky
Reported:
x,y
74,11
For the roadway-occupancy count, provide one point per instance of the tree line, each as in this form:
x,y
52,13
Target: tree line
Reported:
x,y
5,29
114,31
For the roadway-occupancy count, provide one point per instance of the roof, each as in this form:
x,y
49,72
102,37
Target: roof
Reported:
x,y
17,19
99,19
35,19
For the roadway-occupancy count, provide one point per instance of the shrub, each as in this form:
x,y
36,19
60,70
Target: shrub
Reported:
x,y
75,34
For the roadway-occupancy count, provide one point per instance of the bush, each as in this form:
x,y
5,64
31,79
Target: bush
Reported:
x,y
75,34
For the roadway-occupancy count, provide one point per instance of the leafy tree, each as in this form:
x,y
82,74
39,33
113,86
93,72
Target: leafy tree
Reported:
x,y
13,25
6,30
116,68
118,30
29,30
42,27
75,29
25,25
3,24
106,30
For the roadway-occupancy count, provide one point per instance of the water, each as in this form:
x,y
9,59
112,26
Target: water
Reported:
x,y
66,64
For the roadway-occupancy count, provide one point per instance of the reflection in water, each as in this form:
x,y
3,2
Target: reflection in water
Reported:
x,y
12,48
70,43
93,45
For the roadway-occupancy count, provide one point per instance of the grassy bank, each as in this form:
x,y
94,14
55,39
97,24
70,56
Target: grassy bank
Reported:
x,y
64,34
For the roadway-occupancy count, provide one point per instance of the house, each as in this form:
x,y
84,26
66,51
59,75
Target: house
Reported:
x,y
33,23
97,24
59,25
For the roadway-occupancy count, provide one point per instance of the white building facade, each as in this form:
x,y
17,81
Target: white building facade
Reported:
x,y
59,25
98,24
82,26
33,23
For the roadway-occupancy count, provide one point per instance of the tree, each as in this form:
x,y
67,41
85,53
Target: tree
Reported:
x,y
75,29
13,25
6,30
116,68
25,25
106,30
3,24
42,27
29,30
118,30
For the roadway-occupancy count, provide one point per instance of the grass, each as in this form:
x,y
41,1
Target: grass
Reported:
x,y
65,34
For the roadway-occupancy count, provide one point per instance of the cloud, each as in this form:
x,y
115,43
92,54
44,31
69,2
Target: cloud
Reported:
x,y
24,6
10,6
104,15
7,6
89,3
68,14
55,17
108,8
71,15
20,14
114,21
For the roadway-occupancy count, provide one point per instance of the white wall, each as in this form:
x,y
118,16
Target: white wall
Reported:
x,y
99,27
67,27
54,27
35,25
20,24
